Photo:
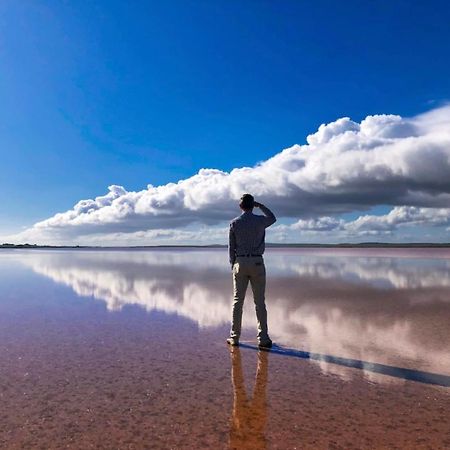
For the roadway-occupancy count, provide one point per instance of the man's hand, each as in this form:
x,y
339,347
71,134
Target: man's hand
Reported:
x,y
256,204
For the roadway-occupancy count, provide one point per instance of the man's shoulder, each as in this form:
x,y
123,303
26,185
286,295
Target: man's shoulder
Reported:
x,y
258,218
236,219
246,219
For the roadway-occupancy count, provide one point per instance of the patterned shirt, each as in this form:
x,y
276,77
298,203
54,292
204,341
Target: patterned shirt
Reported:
x,y
247,233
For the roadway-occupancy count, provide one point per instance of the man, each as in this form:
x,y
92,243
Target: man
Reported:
x,y
246,247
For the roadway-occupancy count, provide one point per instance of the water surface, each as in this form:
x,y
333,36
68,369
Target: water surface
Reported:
x,y
125,349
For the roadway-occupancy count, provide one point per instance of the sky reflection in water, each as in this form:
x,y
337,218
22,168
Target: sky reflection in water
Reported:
x,y
360,304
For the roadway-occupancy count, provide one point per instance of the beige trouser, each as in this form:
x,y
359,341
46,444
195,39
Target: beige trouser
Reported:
x,y
251,269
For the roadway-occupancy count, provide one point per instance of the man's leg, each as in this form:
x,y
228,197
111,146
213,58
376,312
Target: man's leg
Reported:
x,y
258,282
240,283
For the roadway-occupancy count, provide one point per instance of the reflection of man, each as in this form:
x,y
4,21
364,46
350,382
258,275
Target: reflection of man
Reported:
x,y
246,247
249,416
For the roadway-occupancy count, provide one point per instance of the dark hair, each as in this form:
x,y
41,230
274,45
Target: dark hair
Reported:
x,y
247,201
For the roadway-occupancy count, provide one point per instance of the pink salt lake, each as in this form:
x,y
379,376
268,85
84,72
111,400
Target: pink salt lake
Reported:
x,y
126,349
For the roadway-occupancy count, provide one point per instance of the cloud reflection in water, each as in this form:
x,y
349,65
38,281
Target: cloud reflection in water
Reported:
x,y
390,310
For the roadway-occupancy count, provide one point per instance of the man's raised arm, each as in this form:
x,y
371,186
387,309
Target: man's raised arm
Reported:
x,y
269,215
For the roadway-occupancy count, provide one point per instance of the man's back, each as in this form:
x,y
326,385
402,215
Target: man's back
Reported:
x,y
247,233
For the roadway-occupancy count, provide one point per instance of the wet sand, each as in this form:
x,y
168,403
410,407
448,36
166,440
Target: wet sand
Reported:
x,y
126,350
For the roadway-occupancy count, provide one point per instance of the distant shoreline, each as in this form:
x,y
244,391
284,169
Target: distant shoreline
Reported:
x,y
268,245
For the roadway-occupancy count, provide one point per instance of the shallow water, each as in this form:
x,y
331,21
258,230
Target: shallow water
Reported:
x,y
125,349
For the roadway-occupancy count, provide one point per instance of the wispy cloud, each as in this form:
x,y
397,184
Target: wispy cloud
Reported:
x,y
345,166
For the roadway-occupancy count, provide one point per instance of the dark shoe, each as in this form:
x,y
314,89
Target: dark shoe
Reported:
x,y
233,342
265,344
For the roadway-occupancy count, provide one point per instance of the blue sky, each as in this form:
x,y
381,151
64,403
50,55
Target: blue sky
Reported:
x,y
131,93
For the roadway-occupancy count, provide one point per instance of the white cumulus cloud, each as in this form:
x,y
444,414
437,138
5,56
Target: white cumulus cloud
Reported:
x,y
345,166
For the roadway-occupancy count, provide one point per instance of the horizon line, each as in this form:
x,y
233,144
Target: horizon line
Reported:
x,y
269,245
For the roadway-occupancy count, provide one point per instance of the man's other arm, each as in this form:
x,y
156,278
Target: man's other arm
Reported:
x,y
270,218
232,245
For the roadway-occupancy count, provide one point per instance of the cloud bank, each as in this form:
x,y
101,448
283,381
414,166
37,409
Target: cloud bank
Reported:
x,y
371,224
345,166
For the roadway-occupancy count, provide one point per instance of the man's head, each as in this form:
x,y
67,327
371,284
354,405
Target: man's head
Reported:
x,y
247,202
